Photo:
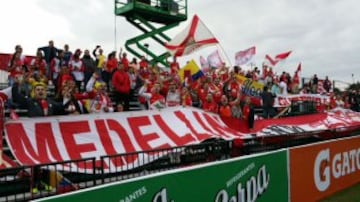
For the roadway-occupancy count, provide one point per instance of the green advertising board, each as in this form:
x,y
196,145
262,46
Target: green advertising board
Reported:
x,y
262,177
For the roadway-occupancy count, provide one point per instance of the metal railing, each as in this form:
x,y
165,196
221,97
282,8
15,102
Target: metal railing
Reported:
x,y
17,184
125,166
172,6
31,182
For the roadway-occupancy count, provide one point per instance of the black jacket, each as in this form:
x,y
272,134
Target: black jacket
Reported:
x,y
34,106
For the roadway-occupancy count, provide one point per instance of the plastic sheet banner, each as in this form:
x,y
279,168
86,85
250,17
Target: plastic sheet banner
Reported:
x,y
60,138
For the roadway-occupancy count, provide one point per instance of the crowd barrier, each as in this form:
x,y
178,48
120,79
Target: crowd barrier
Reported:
x,y
17,184
304,173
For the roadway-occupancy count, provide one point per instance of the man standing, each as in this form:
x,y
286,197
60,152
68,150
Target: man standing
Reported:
x,y
99,58
121,84
50,52
283,87
327,84
89,66
67,54
267,101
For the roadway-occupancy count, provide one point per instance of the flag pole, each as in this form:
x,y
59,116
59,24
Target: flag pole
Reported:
x,y
224,53
220,46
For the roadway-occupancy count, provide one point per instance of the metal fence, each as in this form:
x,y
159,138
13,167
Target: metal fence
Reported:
x,y
31,182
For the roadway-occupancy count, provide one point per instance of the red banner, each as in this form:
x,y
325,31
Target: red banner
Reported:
x,y
55,139
284,101
4,61
336,119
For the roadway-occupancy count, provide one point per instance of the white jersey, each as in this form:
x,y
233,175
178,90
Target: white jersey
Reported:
x,y
173,99
283,88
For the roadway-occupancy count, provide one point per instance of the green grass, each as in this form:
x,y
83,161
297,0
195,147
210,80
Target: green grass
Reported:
x,y
351,194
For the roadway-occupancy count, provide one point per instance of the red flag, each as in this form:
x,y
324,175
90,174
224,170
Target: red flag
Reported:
x,y
242,57
193,37
282,56
296,77
278,58
270,60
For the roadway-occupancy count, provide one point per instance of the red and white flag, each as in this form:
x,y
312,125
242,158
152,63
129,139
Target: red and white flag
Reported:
x,y
282,56
192,38
243,57
277,59
296,77
270,61
205,67
215,60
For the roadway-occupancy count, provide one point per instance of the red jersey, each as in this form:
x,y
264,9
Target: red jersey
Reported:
x,y
38,65
186,99
125,62
174,68
217,96
234,88
143,64
210,106
225,111
246,111
202,93
111,65
121,81
18,68
156,97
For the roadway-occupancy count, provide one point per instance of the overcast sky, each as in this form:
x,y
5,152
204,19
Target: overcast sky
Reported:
x,y
323,34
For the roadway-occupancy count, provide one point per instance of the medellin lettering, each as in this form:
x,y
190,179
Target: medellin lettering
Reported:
x,y
340,164
255,186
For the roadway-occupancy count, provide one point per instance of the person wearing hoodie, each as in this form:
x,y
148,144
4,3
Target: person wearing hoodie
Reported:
x,y
121,84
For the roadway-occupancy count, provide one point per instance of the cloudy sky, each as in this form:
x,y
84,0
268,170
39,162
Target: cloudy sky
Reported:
x,y
323,34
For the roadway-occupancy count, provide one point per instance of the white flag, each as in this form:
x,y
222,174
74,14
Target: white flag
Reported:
x,y
214,60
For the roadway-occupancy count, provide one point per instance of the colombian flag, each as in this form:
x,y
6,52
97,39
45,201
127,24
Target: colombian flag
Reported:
x,y
191,71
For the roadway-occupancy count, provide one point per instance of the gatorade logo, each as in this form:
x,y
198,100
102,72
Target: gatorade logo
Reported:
x,y
329,167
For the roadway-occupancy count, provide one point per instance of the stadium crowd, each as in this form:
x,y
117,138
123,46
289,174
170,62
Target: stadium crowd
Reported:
x,y
90,82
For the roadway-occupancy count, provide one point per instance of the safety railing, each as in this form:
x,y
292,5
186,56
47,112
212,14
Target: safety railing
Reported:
x,y
31,182
171,6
